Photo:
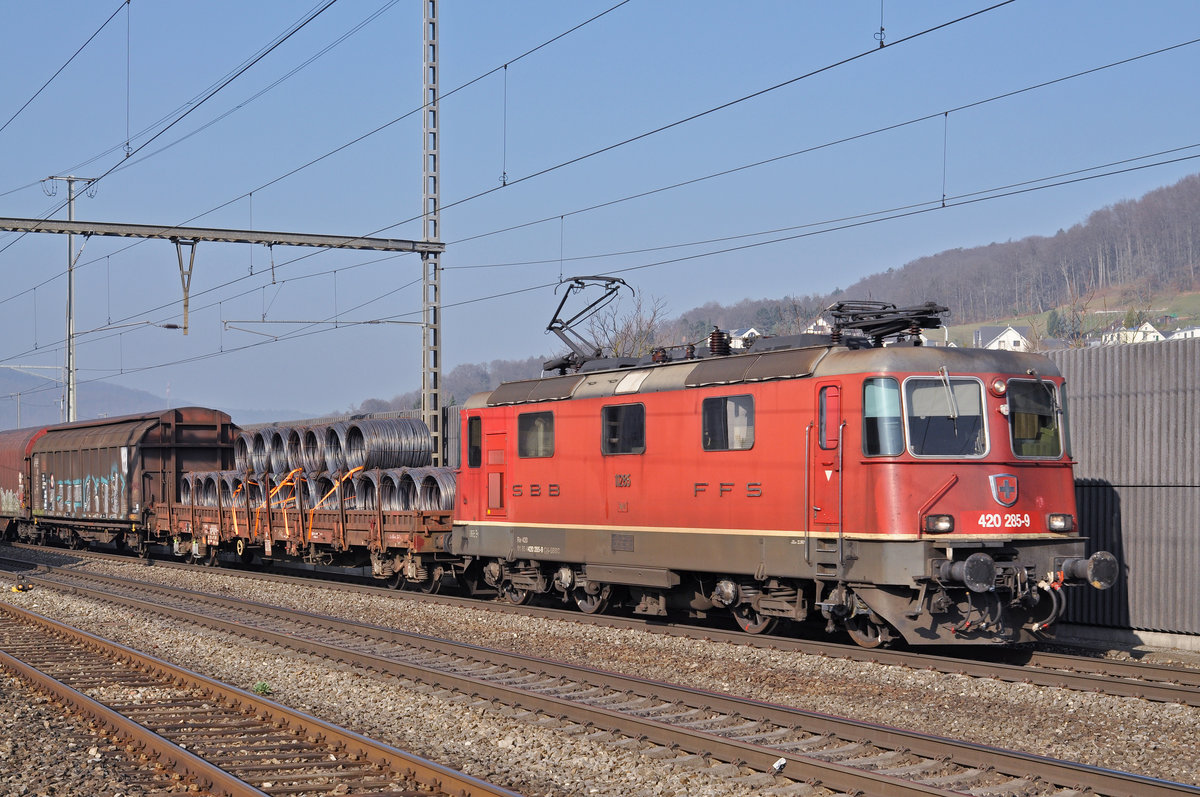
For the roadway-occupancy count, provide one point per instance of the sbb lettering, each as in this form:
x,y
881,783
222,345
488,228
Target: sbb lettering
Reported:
x,y
535,490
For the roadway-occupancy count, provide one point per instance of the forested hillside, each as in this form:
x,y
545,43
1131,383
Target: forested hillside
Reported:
x,y
1135,249
1144,246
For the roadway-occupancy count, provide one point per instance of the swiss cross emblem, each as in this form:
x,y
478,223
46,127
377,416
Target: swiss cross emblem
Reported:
x,y
1004,488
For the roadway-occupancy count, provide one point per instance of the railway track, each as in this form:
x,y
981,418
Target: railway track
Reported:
x,y
686,724
224,740
1078,672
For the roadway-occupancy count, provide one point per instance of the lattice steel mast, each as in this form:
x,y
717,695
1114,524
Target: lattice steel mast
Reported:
x,y
431,352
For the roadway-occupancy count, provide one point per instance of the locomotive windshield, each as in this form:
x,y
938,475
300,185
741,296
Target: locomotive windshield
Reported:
x,y
1033,419
945,417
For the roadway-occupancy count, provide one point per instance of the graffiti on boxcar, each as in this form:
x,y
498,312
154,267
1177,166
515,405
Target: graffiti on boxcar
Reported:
x,y
91,496
10,502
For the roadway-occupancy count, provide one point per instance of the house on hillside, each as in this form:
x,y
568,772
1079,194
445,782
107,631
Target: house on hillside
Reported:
x,y
743,338
818,327
1009,338
1119,334
1182,334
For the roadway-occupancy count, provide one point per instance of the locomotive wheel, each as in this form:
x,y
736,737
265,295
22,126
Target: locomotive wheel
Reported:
x,y
517,597
592,604
866,633
750,621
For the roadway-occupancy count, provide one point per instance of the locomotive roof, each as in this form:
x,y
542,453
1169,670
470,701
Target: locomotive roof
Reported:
x,y
630,376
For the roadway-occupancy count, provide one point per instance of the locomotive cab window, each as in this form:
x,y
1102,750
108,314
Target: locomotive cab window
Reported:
x,y
623,429
829,415
1033,419
728,423
535,434
882,419
945,417
474,442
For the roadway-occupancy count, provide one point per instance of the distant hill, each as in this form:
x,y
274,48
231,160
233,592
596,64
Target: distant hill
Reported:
x,y
39,405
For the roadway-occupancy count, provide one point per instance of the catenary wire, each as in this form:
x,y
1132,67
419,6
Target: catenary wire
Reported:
x,y
330,153
838,220
610,147
65,65
213,92
827,144
607,148
951,203
695,116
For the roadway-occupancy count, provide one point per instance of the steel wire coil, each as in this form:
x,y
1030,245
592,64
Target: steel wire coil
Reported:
x,y
335,446
410,483
243,451
277,450
284,489
306,489
390,496
225,485
438,489
254,488
387,443
209,488
294,443
260,454
198,478
366,489
185,488
312,449
321,485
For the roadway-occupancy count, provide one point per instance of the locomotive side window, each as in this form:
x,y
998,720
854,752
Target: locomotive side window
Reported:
x,y
945,417
882,424
830,415
535,434
728,423
623,429
1033,419
474,442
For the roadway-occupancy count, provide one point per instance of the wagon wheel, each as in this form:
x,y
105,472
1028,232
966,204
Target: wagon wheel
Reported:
x,y
866,633
214,556
751,621
589,603
397,581
517,597
242,549
432,584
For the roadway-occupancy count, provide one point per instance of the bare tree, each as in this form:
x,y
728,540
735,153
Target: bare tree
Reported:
x,y
632,332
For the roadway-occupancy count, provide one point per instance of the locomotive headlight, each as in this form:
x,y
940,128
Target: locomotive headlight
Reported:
x,y
939,524
1060,522
998,387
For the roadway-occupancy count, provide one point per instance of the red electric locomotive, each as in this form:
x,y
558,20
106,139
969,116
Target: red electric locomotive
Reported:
x,y
906,491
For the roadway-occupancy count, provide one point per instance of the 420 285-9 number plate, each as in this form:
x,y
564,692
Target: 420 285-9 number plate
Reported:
x,y
1006,520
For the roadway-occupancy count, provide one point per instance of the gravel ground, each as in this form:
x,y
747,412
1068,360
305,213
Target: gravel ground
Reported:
x,y
498,744
1154,739
45,751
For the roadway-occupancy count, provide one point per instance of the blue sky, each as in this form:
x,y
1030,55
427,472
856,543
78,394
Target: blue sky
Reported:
x,y
644,65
